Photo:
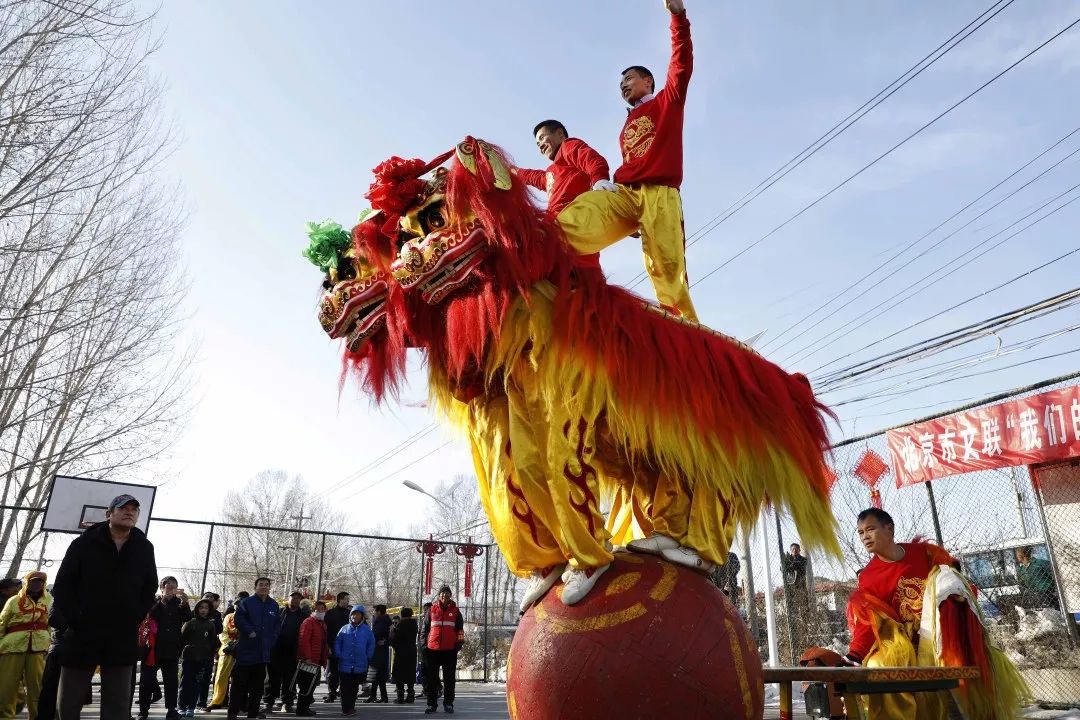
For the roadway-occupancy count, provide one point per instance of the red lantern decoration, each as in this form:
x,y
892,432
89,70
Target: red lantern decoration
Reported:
x,y
870,469
430,548
469,551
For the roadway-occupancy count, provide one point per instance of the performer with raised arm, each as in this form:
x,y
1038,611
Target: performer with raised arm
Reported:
x,y
913,608
645,196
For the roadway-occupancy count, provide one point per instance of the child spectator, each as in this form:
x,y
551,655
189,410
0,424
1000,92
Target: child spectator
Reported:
x,y
200,642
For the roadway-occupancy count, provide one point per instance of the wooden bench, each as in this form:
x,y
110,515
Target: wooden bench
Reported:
x,y
850,682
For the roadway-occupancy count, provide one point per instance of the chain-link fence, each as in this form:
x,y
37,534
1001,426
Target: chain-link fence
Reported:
x,y
226,558
1015,530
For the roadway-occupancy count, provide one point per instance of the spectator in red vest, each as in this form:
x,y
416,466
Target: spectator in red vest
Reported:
x,y
443,634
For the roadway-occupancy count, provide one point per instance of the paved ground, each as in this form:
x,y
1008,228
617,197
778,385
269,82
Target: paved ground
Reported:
x,y
477,701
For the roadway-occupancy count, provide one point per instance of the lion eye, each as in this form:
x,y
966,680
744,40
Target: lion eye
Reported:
x,y
432,218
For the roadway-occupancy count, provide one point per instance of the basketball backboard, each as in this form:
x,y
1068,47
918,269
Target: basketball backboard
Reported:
x,y
77,503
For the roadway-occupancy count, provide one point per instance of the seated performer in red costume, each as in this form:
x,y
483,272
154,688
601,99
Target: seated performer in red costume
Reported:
x,y
913,608
575,168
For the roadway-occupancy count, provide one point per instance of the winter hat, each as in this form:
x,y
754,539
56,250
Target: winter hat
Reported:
x,y
444,588
359,609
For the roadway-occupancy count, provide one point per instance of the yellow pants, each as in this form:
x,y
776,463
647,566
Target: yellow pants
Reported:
x,y
221,679
597,219
895,649
15,669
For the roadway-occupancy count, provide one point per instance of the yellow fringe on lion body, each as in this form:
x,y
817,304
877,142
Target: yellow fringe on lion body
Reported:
x,y
744,480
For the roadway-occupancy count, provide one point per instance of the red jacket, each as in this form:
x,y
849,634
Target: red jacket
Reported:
x,y
312,647
575,169
651,141
898,585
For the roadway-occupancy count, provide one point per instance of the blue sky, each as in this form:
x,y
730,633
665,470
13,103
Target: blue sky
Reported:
x,y
285,107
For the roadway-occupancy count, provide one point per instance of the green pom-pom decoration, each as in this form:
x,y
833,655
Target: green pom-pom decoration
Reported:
x,y
328,242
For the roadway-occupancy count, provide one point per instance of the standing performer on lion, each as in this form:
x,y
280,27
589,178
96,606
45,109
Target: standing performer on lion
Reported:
x,y
645,195
912,608
575,168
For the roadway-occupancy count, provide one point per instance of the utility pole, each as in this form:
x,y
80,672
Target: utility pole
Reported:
x,y
299,518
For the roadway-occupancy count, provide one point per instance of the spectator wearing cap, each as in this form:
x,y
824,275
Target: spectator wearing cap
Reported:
x,y
354,647
24,640
283,657
256,619
443,635
336,618
103,591
169,614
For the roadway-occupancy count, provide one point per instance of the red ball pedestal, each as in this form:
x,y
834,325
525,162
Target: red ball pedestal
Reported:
x,y
651,640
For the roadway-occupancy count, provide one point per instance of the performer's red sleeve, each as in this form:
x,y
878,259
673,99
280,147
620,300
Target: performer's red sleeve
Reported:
x,y
533,178
584,158
862,639
682,58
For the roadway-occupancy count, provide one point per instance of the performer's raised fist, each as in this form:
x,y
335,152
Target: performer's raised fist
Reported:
x,y
675,6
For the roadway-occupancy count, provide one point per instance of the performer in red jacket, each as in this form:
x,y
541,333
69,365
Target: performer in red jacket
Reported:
x,y
645,196
312,649
575,168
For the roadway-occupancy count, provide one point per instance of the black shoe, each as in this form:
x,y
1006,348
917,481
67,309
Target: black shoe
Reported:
x,y
410,700
331,697
288,707
449,707
429,710
172,715
369,700
155,696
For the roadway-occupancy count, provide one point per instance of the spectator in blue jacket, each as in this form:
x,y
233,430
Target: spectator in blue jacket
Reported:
x,y
257,625
354,647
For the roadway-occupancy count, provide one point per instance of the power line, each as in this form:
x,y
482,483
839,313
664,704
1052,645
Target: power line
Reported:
x,y
952,338
960,377
885,154
928,233
953,363
840,127
396,472
372,464
847,328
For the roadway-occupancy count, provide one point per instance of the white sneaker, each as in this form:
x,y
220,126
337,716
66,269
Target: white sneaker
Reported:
x,y
580,582
539,584
688,558
652,545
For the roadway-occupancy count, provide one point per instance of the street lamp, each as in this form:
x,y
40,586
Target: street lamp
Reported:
x,y
413,486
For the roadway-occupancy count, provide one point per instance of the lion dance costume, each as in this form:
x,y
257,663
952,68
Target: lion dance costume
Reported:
x,y
920,611
574,395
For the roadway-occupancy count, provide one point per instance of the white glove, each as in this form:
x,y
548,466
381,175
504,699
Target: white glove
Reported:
x,y
605,185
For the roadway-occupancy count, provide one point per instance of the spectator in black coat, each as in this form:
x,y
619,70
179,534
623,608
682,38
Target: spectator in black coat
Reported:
x,y
283,657
103,591
169,613
336,618
380,663
403,641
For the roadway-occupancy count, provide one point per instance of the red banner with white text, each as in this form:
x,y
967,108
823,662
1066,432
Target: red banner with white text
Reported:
x,y
1030,430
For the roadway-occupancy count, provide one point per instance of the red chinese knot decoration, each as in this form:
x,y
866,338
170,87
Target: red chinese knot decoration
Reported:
x,y
870,469
469,551
430,548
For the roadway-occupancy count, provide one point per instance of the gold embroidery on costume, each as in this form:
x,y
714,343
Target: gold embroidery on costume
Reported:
x,y
909,593
638,138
